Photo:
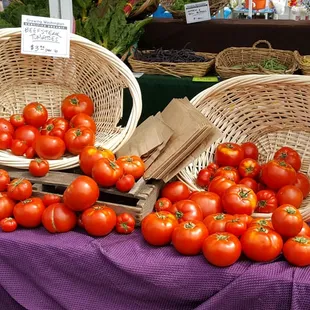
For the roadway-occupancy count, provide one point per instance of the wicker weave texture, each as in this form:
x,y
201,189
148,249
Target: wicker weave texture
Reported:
x,y
271,111
145,8
302,65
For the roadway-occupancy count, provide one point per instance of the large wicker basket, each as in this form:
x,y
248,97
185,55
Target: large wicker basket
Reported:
x,y
91,69
144,8
271,111
303,63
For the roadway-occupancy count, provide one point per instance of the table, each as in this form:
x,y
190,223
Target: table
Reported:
x,y
41,271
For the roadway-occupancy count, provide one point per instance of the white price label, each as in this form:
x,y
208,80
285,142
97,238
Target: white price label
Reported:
x,y
197,12
45,36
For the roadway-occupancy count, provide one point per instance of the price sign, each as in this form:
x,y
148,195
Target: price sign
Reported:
x,y
197,12
45,36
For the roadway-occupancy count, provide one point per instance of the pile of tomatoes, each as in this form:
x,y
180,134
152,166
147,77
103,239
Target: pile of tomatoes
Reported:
x,y
218,221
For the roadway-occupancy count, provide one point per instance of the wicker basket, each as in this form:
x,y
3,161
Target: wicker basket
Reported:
x,y
144,8
245,56
271,111
90,69
174,69
302,64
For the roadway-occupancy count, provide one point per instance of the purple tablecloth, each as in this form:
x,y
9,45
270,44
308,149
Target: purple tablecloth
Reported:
x,y
40,271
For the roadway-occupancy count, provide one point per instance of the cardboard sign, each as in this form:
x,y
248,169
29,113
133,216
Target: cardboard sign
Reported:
x,y
197,12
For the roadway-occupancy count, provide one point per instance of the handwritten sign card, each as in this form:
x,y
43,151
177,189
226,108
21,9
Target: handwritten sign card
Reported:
x,y
197,12
45,36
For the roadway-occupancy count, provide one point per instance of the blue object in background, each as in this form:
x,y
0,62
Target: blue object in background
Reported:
x,y
161,13
5,3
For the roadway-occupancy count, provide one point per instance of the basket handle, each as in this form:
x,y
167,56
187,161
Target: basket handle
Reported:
x,y
262,41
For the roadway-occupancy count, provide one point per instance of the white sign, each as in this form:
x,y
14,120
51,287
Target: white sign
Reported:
x,y
197,12
45,36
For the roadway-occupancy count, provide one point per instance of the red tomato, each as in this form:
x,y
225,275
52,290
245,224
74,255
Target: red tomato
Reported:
x,y
56,126
186,210
250,183
125,183
305,231
188,237
30,152
81,194
261,186
297,251
228,173
204,177
290,194
106,172
236,226
99,220
266,201
39,167
35,114
49,199
19,147
77,103
290,156
163,204
216,223
229,154
157,228
82,119
5,140
57,218
302,182
175,191
213,167
6,126
250,150
19,189
245,218
125,223
4,180
219,185
239,199
27,133
249,168
8,224
209,203
222,249
133,165
6,207
261,244
287,220
28,213
260,222
49,147
17,120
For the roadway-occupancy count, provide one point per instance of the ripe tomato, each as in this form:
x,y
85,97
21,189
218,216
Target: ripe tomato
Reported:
x,y
216,223
133,165
249,168
28,213
239,199
250,150
125,223
290,194
287,220
213,167
78,138
35,114
99,220
6,207
266,201
188,237
6,126
157,228
302,182
261,244
204,177
219,185
5,140
56,126
19,147
82,119
186,210
305,231
260,222
222,249
39,167
4,180
236,226
228,173
27,133
297,251
250,183
125,183
49,147
106,172
81,194
49,199
57,218
19,189
290,156
229,154
209,203
8,224
276,174
175,191
30,152
77,103
245,218
163,204
17,120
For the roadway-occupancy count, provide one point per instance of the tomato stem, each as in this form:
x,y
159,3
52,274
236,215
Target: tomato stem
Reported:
x,y
74,101
189,225
301,239
125,226
290,210
179,214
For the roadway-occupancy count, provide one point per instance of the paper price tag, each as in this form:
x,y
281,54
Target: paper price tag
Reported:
x,y
210,79
197,12
45,36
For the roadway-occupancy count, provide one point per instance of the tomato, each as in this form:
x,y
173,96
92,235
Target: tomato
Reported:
x,y
163,204
35,114
77,103
216,222
17,120
4,180
213,167
19,147
106,172
222,249
188,237
157,228
30,152
261,186
82,119
27,133
49,147
236,226
276,174
245,218
19,189
125,223
28,213
78,138
297,251
305,231
6,126
239,199
302,182
209,203
250,183
290,156
133,165
287,220
261,244
56,127
125,183
99,220
266,201
229,154
250,150
8,224
81,194
6,207
228,173
39,167
219,185
186,210
175,191
5,140
204,177
258,222
57,218
49,199
291,195
249,168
